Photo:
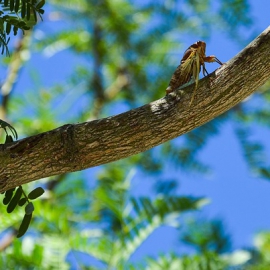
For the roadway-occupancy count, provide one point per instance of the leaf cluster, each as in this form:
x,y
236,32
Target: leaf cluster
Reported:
x,y
127,56
15,15
17,197
140,218
6,126
207,261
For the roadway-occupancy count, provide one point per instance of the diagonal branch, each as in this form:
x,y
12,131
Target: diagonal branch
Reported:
x,y
76,147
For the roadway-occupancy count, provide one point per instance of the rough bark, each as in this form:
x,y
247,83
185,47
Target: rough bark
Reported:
x,y
74,147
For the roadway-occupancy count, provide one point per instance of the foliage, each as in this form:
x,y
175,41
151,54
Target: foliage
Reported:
x,y
173,262
207,236
125,51
260,259
6,126
14,198
17,14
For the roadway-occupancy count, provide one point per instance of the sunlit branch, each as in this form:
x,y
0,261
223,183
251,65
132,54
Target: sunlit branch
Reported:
x,y
75,147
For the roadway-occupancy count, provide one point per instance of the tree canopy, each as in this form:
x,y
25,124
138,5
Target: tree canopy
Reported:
x,y
119,56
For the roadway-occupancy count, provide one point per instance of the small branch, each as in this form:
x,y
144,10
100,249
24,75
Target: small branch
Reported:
x,y
97,81
76,147
19,56
7,240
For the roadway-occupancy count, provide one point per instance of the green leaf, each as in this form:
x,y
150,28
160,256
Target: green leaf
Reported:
x,y
24,225
13,203
37,192
35,16
6,125
11,5
6,3
15,30
1,25
28,12
22,201
23,11
29,208
6,200
8,195
26,28
40,4
17,5
8,28
9,139
135,205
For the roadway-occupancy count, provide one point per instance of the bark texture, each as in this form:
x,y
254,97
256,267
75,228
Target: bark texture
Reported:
x,y
74,147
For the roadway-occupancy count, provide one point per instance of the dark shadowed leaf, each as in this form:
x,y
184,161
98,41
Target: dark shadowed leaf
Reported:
x,y
28,11
37,192
8,196
17,5
29,208
14,201
23,10
10,190
15,30
9,139
40,4
22,201
24,225
6,200
11,5
8,28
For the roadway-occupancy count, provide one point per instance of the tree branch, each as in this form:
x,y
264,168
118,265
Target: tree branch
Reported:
x,y
19,56
76,147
